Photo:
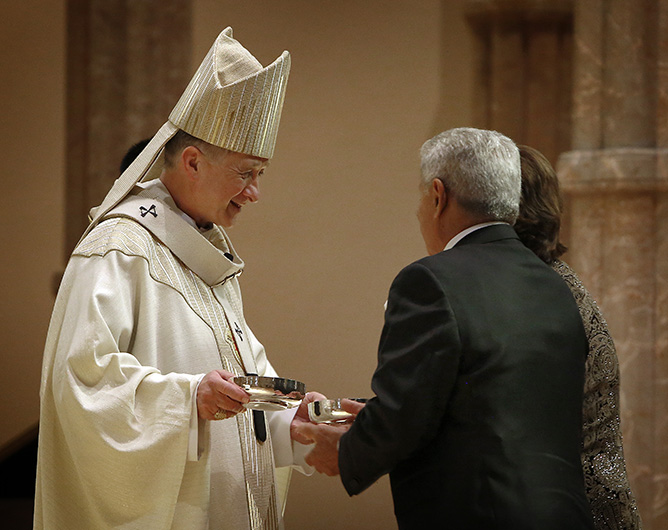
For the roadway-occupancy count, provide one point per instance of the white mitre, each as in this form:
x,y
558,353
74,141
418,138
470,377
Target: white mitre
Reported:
x,y
231,102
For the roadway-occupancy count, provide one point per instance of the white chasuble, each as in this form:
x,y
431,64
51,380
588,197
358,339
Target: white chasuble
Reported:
x,y
137,322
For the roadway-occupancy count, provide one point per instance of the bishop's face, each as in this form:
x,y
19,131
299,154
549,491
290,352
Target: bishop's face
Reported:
x,y
228,181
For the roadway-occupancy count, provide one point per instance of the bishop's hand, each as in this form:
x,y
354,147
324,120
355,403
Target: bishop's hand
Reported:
x,y
218,397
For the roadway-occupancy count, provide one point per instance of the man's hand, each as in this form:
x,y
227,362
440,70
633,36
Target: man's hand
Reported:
x,y
351,406
218,397
324,456
302,416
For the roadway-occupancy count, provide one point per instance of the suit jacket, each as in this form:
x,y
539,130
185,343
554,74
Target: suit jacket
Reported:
x,y
478,408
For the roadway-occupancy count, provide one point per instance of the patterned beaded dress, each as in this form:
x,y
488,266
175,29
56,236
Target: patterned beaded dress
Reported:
x,y
606,483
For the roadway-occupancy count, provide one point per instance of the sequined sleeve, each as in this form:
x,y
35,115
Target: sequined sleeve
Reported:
x,y
606,483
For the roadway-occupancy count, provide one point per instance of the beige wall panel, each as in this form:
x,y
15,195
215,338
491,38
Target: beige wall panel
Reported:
x,y
151,91
460,75
32,86
662,82
586,240
522,76
660,497
106,98
588,75
508,78
127,65
481,111
565,94
627,275
336,220
629,105
542,91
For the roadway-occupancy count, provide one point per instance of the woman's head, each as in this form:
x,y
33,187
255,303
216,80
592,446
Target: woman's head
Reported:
x,y
539,220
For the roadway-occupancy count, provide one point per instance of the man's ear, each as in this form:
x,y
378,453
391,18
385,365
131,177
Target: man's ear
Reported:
x,y
439,195
191,159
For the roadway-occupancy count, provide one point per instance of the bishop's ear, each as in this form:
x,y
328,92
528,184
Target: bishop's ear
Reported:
x,y
191,157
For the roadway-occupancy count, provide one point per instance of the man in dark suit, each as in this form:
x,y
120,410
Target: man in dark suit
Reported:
x,y
477,414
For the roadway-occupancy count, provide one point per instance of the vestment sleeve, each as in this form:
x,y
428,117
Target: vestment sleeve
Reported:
x,y
121,418
418,359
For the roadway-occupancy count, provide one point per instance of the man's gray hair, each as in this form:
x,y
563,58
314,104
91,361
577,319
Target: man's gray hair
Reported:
x,y
480,168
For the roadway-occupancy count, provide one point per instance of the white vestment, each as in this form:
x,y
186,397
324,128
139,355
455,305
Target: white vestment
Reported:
x,y
146,307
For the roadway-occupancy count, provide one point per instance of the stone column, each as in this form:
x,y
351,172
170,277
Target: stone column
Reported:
x,y
616,183
128,61
523,70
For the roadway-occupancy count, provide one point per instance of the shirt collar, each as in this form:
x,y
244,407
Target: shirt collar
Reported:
x,y
470,230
